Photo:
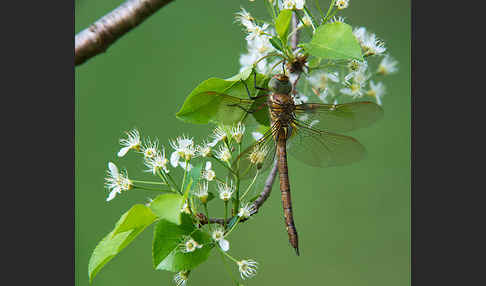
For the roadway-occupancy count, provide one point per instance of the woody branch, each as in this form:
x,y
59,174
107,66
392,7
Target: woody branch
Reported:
x,y
103,33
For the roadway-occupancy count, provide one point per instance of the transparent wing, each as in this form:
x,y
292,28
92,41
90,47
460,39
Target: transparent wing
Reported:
x,y
340,117
224,108
321,148
246,168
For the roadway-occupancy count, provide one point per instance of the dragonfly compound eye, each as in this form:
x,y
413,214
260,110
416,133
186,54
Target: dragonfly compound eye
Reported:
x,y
280,84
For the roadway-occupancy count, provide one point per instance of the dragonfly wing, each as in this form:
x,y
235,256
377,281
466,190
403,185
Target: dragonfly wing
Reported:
x,y
323,149
339,117
227,109
243,163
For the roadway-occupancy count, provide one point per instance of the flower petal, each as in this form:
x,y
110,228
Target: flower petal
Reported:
x,y
112,195
123,151
113,170
174,159
212,144
224,244
208,165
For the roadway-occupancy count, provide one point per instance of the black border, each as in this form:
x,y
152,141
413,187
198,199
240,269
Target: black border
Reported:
x,y
38,88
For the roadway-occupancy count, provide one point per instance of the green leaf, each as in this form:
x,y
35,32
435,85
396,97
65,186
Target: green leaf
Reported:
x,y
209,101
167,239
276,43
314,62
282,25
334,41
168,207
129,226
244,74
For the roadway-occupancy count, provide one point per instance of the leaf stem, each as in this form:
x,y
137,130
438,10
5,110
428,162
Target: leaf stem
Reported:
x,y
205,205
226,266
328,12
173,182
313,20
149,189
252,182
224,165
269,55
319,9
225,213
184,178
233,227
148,182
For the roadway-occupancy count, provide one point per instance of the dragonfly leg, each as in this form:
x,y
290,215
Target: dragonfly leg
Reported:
x,y
244,109
255,85
249,94
248,110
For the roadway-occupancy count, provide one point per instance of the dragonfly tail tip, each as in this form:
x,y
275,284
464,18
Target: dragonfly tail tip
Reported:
x,y
297,251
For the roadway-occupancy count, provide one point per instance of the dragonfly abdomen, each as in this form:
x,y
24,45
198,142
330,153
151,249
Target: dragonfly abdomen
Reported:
x,y
285,191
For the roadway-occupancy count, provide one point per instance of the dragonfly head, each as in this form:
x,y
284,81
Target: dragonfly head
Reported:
x,y
280,83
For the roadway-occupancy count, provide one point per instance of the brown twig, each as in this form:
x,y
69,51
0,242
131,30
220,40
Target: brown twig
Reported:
x,y
100,35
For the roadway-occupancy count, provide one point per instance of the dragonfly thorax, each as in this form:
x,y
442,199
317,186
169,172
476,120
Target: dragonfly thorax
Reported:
x,y
282,108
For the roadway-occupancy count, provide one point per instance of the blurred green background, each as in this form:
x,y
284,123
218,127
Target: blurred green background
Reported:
x,y
353,221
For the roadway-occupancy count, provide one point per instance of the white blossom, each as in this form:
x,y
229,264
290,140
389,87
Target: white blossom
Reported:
x,y
335,19
218,236
189,245
244,18
377,91
247,210
202,192
372,46
208,173
157,163
258,154
322,80
132,142
238,131
247,268
342,4
225,190
360,33
292,4
220,133
116,181
256,31
184,149
387,65
203,150
150,149
181,278
223,153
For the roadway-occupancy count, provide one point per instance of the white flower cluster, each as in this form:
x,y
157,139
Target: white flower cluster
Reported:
x,y
220,145
335,84
258,43
184,150
355,79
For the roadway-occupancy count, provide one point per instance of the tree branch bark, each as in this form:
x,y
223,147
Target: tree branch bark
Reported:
x,y
103,33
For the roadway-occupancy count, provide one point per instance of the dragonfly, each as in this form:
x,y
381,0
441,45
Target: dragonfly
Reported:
x,y
306,131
